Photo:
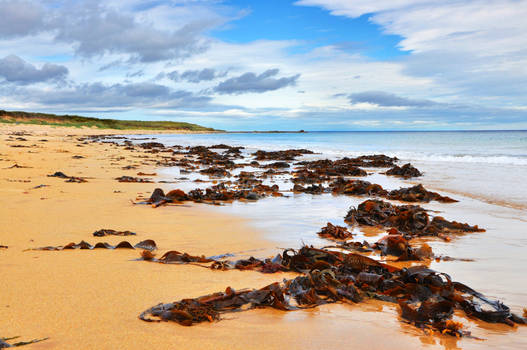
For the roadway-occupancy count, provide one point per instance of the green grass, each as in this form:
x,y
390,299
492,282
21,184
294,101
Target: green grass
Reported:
x,y
17,117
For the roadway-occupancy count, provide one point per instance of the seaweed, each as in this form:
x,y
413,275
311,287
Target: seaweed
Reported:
x,y
109,232
409,219
331,231
125,178
406,171
146,244
426,298
4,344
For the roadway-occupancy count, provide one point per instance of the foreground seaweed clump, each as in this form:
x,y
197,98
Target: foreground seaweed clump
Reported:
x,y
409,219
426,298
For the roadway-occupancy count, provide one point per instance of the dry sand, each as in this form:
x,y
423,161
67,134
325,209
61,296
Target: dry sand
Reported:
x,y
91,299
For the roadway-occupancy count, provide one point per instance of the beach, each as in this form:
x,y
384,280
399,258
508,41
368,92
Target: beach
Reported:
x,y
91,299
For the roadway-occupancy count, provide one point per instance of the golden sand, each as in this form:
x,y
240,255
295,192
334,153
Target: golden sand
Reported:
x,y
91,299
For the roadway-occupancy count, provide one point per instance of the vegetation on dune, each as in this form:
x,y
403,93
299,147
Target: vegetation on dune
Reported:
x,y
78,121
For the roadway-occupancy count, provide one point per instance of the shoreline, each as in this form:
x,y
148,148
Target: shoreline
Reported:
x,y
68,295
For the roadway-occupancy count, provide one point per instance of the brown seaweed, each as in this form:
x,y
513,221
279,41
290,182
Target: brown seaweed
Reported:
x,y
146,244
418,193
126,178
408,219
289,154
426,298
61,175
331,231
4,344
406,171
109,232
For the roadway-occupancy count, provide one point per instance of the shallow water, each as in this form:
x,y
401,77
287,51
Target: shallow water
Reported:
x,y
489,183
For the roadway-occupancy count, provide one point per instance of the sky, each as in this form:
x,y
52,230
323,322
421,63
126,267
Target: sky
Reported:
x,y
271,65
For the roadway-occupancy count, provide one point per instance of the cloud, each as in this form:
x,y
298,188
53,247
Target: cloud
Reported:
x,y
20,18
96,28
16,70
122,33
386,99
196,76
100,95
465,46
250,82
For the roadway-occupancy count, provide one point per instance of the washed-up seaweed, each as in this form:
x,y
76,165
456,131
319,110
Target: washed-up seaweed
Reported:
x,y
312,189
356,188
331,231
409,219
214,193
305,176
158,197
418,193
215,172
126,178
339,167
277,165
406,171
415,193
17,166
396,245
289,154
4,344
109,232
426,298
146,244
61,175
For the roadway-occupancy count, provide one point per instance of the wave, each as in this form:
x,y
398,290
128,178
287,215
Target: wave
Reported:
x,y
335,150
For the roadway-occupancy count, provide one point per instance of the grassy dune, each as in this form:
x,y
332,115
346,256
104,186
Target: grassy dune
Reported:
x,y
78,121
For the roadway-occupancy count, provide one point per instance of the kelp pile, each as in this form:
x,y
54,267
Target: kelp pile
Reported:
x,y
415,193
418,193
406,171
289,154
339,167
214,193
146,244
411,220
426,298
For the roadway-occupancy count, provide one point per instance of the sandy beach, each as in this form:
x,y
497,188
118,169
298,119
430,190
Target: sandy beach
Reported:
x,y
91,299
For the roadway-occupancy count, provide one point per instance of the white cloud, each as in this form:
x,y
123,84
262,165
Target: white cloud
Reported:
x,y
473,47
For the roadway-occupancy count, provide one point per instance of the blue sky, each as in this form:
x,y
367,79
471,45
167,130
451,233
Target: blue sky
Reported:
x,y
312,26
260,65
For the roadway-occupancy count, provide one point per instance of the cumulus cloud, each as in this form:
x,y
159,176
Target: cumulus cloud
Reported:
x,y
250,82
95,29
16,70
463,45
20,18
386,99
196,76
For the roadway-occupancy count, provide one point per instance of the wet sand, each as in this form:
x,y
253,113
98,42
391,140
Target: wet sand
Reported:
x,y
91,299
